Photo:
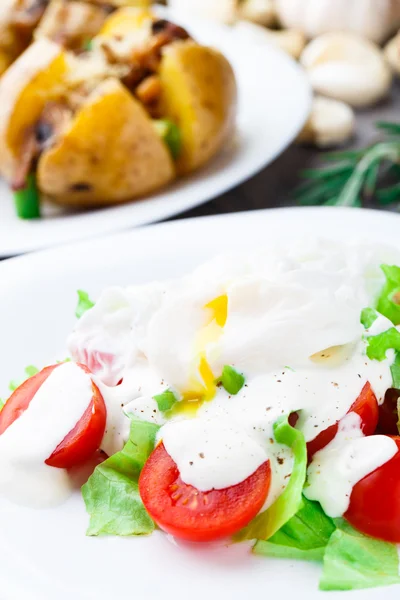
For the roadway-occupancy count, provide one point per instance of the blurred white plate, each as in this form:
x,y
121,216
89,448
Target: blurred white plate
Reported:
x,y
44,555
273,105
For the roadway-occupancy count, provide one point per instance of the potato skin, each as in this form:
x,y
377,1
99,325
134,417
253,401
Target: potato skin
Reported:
x,y
111,153
200,95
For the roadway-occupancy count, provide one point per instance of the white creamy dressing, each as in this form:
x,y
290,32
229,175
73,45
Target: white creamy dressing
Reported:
x,y
350,457
25,446
292,328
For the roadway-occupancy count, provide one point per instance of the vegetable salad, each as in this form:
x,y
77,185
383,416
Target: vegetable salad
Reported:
x,y
253,399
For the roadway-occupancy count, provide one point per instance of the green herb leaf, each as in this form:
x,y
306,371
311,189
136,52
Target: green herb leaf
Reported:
x,y
356,173
166,400
84,304
353,561
267,523
391,128
368,317
111,494
379,344
388,195
231,380
388,305
171,136
30,371
303,537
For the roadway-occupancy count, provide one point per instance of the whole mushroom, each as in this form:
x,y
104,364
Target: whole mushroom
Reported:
x,y
372,19
347,67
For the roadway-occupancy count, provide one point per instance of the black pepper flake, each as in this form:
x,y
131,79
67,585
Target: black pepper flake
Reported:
x,y
201,454
280,460
191,463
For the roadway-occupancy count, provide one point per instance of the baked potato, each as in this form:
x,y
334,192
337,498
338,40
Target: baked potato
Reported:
x,y
199,94
110,152
141,106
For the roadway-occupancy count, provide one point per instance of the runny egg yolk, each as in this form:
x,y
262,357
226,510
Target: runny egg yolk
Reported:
x,y
203,381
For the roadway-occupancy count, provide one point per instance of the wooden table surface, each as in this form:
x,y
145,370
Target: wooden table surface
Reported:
x,y
273,186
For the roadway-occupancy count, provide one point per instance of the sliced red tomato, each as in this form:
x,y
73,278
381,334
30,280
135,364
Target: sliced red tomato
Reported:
x,y
375,502
366,406
187,513
81,442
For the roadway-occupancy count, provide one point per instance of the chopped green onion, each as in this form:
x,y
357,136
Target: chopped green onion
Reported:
x,y
87,45
171,135
231,380
27,200
166,400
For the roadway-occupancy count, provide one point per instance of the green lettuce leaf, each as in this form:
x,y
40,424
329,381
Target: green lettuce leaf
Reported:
x,y
111,494
353,561
84,303
368,317
267,523
395,370
270,550
304,537
388,302
166,400
379,344
231,380
30,371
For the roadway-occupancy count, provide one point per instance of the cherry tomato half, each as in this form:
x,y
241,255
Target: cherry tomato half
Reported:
x,y
81,442
366,406
187,513
375,502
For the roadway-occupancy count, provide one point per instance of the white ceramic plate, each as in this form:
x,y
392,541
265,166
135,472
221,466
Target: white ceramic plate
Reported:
x,y
274,100
44,555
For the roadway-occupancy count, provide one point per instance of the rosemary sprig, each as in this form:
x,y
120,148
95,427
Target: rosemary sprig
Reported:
x,y
356,174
